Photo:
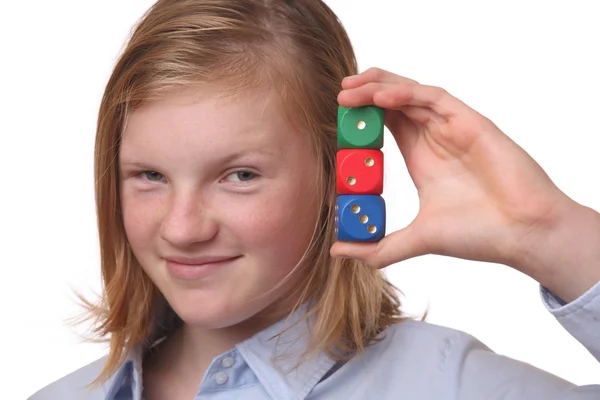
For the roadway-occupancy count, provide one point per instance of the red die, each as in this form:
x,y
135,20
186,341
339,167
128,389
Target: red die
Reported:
x,y
359,171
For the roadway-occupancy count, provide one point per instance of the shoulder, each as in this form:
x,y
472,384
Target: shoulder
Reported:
x,y
76,385
420,334
459,363
426,343
415,358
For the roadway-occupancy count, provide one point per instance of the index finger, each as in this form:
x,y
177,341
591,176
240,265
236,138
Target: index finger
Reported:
x,y
374,75
395,96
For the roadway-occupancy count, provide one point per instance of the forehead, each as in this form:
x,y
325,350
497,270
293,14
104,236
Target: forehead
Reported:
x,y
211,121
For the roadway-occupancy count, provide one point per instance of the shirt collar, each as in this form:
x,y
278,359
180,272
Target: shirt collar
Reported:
x,y
275,358
273,355
127,381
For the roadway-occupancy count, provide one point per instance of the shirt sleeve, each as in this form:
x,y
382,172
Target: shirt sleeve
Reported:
x,y
483,374
581,317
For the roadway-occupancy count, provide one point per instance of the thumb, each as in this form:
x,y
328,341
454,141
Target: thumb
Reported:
x,y
395,247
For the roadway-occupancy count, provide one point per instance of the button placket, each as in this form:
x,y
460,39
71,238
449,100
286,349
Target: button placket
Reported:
x,y
221,378
227,362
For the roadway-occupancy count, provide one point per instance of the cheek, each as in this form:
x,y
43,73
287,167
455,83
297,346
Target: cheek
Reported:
x,y
277,228
139,218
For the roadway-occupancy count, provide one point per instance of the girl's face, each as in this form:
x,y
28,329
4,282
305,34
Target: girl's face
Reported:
x,y
219,202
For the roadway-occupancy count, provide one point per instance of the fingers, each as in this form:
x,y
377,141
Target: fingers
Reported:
x,y
395,247
385,96
374,75
401,94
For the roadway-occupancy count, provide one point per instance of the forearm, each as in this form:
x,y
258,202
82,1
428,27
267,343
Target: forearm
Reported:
x,y
564,257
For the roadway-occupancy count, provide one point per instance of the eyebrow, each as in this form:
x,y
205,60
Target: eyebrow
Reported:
x,y
230,157
243,153
132,163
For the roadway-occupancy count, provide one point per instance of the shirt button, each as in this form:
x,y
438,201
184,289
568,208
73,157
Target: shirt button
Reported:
x,y
221,377
227,362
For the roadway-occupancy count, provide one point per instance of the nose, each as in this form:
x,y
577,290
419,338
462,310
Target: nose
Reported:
x,y
187,221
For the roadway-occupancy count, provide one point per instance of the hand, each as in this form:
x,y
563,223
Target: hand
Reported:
x,y
482,197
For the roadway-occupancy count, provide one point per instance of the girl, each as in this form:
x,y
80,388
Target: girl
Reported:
x,y
215,188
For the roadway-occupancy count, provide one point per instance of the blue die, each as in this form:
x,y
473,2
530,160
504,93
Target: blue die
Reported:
x,y
360,218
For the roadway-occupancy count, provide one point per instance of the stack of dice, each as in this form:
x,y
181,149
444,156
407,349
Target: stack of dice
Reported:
x,y
360,209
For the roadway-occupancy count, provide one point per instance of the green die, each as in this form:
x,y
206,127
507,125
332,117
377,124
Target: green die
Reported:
x,y
360,127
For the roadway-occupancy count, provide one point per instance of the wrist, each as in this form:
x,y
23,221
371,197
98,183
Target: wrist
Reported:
x,y
563,253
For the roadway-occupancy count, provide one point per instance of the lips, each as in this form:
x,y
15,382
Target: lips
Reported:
x,y
193,268
198,261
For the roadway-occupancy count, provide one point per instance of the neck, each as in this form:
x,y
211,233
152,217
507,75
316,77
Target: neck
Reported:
x,y
198,346
187,352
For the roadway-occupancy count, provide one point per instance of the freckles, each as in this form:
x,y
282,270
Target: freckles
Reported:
x,y
133,223
132,211
262,225
140,220
259,223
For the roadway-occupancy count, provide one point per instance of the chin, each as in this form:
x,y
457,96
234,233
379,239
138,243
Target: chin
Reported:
x,y
214,311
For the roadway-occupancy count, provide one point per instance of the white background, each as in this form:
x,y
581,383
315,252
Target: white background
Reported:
x,y
531,66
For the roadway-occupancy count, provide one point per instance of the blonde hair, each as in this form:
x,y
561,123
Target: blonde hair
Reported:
x,y
298,48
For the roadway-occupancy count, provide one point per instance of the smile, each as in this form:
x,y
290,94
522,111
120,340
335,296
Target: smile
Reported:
x,y
196,268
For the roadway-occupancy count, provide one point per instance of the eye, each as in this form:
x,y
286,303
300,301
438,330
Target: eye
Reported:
x,y
151,175
242,175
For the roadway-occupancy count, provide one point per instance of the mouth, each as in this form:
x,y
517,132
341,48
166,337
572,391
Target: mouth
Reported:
x,y
196,268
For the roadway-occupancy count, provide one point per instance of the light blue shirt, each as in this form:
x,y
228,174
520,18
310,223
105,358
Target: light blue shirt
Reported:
x,y
415,360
